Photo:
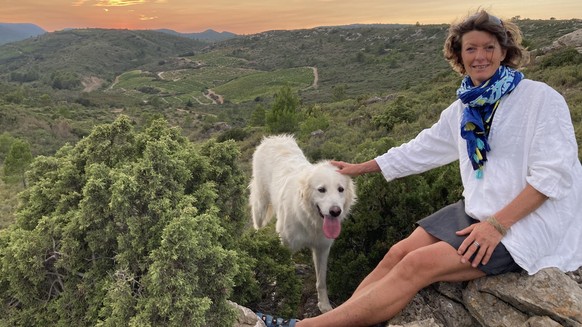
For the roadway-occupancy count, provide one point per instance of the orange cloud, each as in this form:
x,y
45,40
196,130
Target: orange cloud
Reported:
x,y
144,17
79,3
119,3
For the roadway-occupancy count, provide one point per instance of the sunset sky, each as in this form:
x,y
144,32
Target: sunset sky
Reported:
x,y
253,16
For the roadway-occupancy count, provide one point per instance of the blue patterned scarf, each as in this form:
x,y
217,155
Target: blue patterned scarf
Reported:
x,y
482,102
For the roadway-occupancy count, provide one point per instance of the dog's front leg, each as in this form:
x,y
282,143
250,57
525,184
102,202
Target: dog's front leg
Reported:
x,y
320,254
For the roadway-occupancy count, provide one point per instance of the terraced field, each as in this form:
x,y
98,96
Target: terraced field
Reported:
x,y
230,79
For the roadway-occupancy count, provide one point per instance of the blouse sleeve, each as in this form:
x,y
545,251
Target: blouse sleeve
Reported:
x,y
431,148
554,150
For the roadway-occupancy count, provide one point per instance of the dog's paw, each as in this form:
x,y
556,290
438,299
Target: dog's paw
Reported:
x,y
324,307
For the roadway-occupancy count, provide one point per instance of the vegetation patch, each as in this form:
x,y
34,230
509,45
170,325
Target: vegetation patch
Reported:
x,y
265,84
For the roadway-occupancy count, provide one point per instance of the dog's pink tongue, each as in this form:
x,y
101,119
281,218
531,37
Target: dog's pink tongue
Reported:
x,y
331,227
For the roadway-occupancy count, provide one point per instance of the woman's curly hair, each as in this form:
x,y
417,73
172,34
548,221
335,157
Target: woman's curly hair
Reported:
x,y
506,32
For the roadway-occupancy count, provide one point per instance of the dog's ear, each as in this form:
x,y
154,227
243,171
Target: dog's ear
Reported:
x,y
350,194
305,190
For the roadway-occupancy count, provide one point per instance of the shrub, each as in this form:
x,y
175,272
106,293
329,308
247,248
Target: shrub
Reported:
x,y
126,228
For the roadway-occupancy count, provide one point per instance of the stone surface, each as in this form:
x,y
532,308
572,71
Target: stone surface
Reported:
x,y
546,299
573,39
490,310
547,293
538,321
424,323
246,317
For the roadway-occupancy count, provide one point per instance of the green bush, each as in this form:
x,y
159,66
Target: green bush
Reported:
x,y
274,287
283,117
384,214
125,228
567,56
65,81
17,161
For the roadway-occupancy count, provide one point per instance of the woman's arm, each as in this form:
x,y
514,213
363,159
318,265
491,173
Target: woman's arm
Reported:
x,y
526,202
345,168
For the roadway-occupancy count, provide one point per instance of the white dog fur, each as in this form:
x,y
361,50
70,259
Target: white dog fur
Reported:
x,y
308,200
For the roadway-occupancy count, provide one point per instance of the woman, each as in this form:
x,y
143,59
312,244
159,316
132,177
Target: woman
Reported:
x,y
520,170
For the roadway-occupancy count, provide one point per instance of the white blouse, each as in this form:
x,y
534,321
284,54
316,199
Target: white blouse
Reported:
x,y
532,141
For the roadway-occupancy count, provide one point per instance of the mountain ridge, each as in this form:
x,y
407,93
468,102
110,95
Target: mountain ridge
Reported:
x,y
207,35
11,32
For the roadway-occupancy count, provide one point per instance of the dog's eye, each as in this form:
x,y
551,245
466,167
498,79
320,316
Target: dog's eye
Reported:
x,y
340,189
321,190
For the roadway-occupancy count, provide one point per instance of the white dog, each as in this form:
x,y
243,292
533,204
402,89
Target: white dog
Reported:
x,y
309,201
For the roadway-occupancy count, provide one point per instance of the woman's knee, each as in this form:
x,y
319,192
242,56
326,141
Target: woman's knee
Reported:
x,y
417,266
411,245
394,255
397,251
419,238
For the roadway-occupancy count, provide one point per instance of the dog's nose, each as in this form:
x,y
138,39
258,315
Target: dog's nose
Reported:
x,y
335,211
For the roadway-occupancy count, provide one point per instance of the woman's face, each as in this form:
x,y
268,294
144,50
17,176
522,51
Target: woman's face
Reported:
x,y
481,54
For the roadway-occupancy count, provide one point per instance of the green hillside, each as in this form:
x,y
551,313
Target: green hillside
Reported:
x,y
99,52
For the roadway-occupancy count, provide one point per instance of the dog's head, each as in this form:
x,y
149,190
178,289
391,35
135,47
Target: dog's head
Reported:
x,y
330,195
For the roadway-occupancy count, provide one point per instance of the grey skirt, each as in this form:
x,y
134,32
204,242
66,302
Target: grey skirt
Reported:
x,y
444,223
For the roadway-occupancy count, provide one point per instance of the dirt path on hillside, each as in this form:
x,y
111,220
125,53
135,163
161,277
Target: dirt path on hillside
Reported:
x,y
315,83
212,96
315,78
200,102
114,82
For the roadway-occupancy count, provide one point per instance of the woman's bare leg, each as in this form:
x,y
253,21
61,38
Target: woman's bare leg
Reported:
x,y
382,297
417,239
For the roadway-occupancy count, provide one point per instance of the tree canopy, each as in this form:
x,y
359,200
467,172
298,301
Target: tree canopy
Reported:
x,y
283,117
17,161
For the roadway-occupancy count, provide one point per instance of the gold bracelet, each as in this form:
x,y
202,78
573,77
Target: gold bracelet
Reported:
x,y
493,221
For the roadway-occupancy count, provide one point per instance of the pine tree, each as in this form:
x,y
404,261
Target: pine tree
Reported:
x,y
283,117
17,162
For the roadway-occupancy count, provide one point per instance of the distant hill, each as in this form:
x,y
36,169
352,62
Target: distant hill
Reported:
x,y
348,61
350,26
208,35
103,53
10,32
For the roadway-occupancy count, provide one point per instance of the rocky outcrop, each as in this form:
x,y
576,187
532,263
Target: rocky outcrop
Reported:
x,y
246,317
547,299
573,39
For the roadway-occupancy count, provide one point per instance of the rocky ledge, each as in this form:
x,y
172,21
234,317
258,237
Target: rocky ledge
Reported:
x,y
547,299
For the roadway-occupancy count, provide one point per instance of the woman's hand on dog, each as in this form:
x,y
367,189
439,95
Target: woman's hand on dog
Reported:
x,y
356,169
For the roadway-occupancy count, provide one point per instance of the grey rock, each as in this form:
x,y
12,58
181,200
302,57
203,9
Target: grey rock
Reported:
x,y
549,298
538,321
546,293
246,317
490,310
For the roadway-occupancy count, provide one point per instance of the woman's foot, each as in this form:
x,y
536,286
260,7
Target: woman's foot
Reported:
x,y
271,321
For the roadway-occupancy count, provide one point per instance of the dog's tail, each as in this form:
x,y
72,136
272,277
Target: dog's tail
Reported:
x,y
261,216
261,208
261,220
